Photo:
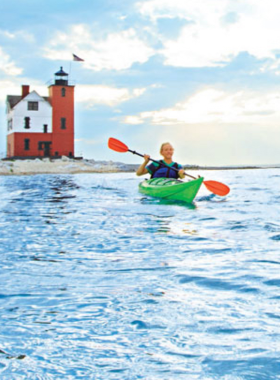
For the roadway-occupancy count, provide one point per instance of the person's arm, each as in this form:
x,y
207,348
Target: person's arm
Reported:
x,y
142,168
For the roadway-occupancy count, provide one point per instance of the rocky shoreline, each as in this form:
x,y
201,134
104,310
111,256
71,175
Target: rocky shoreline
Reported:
x,y
66,165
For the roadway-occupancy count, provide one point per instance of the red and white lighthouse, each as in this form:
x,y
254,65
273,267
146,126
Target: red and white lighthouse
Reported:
x,y
42,126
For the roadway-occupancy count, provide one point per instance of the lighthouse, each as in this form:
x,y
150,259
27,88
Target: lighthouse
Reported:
x,y
42,126
61,98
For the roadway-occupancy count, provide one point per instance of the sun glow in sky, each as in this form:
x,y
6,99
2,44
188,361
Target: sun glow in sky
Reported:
x,y
203,75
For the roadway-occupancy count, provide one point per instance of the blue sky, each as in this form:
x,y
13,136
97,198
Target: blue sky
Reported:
x,y
203,75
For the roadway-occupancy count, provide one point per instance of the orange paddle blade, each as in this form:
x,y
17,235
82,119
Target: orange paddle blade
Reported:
x,y
117,145
217,188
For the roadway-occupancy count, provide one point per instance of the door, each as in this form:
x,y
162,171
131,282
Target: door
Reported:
x,y
47,149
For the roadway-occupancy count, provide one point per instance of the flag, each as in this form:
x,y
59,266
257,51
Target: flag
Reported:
x,y
78,59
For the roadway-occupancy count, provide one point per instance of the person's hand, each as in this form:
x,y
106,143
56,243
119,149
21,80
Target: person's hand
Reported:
x,y
146,158
181,173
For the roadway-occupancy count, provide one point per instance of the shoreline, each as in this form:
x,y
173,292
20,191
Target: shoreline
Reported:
x,y
66,165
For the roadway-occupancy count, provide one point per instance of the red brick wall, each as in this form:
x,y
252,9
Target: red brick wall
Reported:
x,y
16,143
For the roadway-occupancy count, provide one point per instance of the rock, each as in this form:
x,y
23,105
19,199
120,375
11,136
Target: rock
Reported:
x,y
65,158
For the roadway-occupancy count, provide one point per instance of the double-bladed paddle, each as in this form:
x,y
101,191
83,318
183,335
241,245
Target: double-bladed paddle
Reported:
x,y
215,187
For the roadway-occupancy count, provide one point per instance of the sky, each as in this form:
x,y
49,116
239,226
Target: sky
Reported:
x,y
202,75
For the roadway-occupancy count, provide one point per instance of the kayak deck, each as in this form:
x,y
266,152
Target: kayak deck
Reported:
x,y
169,188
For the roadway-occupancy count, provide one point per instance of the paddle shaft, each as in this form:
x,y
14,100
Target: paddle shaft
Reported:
x,y
160,163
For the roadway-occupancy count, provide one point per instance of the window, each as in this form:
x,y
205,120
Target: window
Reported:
x,y
63,92
27,122
40,145
63,123
26,144
10,124
45,128
32,106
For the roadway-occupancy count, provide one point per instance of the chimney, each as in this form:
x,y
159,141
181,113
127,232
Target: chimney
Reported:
x,y
24,91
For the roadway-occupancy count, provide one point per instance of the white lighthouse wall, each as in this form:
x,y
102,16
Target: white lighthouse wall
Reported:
x,y
16,116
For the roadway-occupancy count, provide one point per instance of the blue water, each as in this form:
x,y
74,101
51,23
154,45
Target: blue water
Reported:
x,y
101,282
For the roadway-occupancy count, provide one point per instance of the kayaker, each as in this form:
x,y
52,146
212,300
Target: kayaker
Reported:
x,y
165,170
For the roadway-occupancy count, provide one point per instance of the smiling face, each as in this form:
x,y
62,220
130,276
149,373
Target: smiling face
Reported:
x,y
167,151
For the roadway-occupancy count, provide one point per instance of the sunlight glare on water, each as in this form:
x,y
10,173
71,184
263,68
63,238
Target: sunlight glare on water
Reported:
x,y
101,282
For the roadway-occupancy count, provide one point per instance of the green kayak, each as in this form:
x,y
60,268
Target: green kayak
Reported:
x,y
173,189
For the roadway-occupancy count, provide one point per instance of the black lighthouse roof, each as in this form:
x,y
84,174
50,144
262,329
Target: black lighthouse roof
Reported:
x,y
61,78
61,73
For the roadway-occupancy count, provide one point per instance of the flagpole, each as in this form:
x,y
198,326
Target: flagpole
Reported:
x,y
77,59
70,66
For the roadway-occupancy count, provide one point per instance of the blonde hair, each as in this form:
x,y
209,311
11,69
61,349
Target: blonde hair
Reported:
x,y
163,145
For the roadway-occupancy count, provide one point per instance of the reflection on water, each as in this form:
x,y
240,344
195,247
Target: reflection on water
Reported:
x,y
167,202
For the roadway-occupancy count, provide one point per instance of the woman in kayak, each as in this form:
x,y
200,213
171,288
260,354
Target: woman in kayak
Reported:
x,y
166,170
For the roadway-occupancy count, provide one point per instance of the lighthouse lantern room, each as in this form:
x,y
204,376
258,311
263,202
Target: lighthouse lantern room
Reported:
x,y
42,126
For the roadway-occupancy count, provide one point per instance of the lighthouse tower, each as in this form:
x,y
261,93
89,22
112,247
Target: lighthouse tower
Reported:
x,y
61,98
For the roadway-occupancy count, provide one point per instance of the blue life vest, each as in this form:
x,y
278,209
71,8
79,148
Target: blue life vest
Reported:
x,y
160,171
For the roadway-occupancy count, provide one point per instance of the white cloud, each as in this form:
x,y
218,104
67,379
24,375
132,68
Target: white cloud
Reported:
x,y
111,96
118,51
188,9
217,31
8,66
211,106
7,34
133,120
20,35
9,88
